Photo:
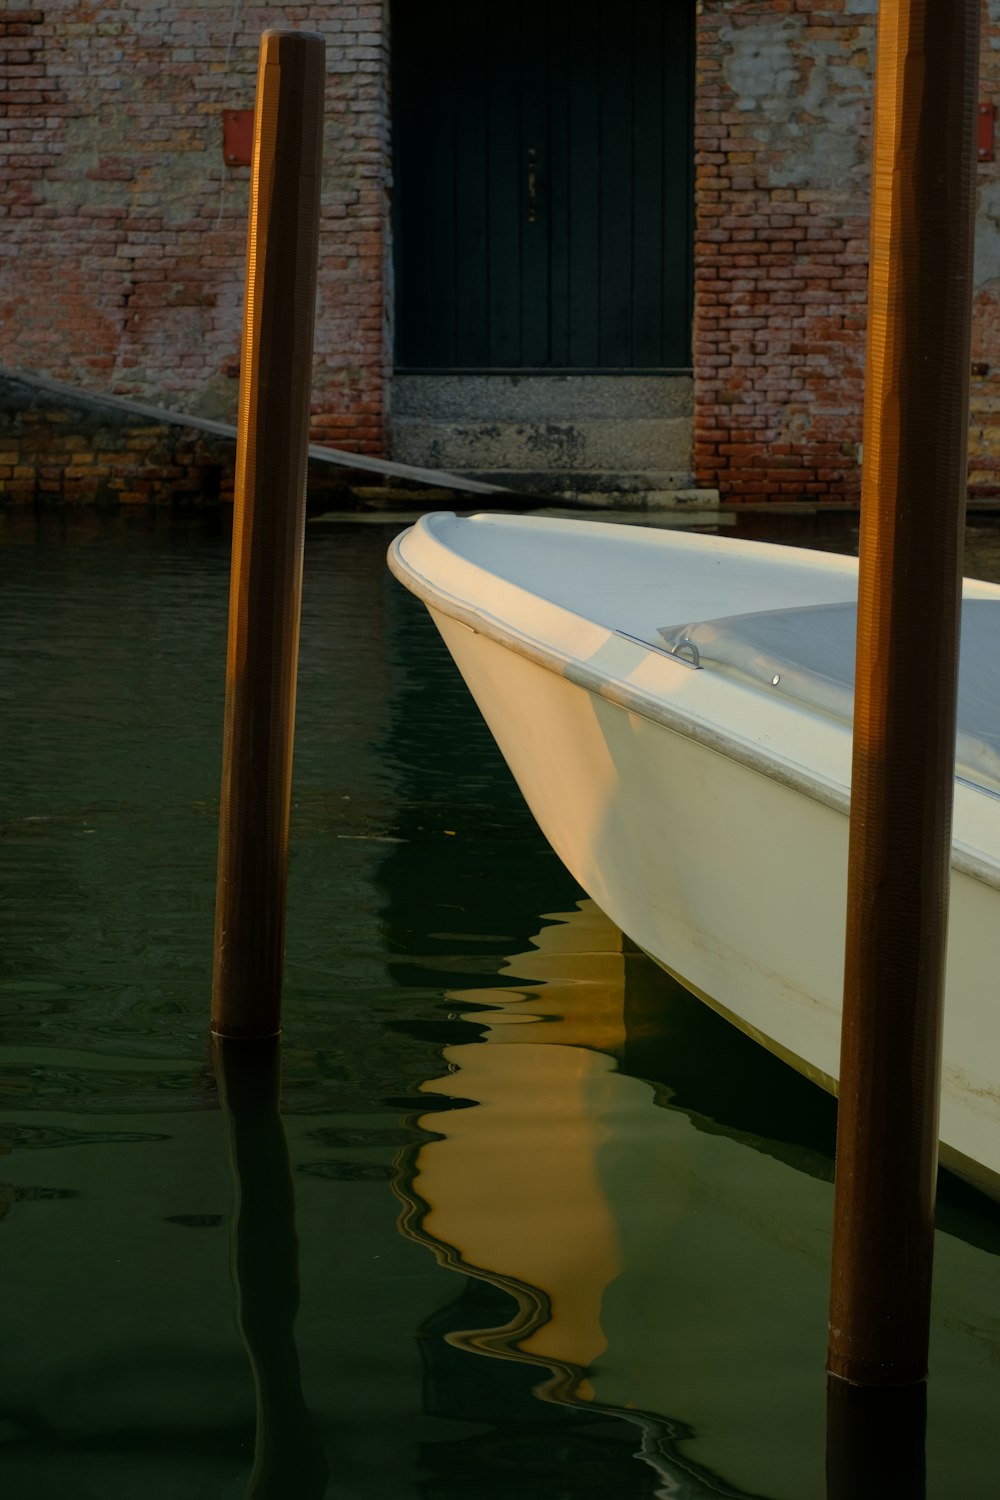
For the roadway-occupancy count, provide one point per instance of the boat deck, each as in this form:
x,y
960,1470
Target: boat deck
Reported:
x,y
808,654
636,579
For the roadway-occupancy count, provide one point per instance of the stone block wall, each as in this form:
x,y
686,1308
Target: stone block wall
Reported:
x,y
123,230
783,145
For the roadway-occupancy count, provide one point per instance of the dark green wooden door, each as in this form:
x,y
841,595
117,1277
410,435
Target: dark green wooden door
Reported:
x,y
543,184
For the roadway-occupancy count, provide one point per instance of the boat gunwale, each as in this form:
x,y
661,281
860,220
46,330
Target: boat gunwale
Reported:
x,y
648,706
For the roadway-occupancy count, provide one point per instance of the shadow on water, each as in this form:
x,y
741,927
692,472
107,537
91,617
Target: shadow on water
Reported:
x,y
288,1456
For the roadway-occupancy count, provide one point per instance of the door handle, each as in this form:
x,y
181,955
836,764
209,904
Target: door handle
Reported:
x,y
532,187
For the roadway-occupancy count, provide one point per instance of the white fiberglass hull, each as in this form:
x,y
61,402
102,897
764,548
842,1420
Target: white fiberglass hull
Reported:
x,y
709,822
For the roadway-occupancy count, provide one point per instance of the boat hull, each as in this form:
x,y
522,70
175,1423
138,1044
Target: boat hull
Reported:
x,y
731,879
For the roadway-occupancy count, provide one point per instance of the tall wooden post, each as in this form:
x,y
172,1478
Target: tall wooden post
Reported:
x,y
268,525
913,505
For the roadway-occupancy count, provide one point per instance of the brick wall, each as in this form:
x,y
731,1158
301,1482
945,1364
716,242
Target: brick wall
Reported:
x,y
984,431
782,159
58,447
123,231
782,137
52,454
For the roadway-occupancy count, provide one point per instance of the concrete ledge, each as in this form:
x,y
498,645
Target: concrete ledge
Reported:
x,y
602,444
617,437
541,398
643,500
656,490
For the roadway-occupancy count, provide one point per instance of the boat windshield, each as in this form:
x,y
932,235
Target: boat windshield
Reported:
x,y
807,654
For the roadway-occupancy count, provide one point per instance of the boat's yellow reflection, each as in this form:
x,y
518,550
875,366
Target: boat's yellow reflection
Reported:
x,y
514,1189
665,1266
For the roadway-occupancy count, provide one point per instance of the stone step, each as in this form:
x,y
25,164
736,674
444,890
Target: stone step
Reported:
x,y
568,447
537,398
654,489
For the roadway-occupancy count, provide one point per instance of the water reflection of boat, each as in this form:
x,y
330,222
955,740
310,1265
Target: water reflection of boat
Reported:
x,y
664,1238
677,712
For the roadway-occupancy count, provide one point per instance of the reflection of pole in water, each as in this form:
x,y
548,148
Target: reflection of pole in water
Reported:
x,y
289,1459
875,1441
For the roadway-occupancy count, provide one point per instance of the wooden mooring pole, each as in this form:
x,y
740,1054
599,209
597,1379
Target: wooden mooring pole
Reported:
x,y
913,506
876,1441
268,526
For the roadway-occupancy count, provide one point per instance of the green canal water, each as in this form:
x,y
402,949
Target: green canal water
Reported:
x,y
546,1227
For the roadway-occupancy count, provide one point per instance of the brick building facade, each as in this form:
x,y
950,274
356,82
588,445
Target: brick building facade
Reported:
x,y
783,124
122,228
784,119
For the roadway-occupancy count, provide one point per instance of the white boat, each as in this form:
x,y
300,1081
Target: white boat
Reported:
x,y
676,710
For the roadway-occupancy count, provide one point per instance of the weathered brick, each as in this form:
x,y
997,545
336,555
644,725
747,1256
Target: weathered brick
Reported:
x,y
803,212
136,285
